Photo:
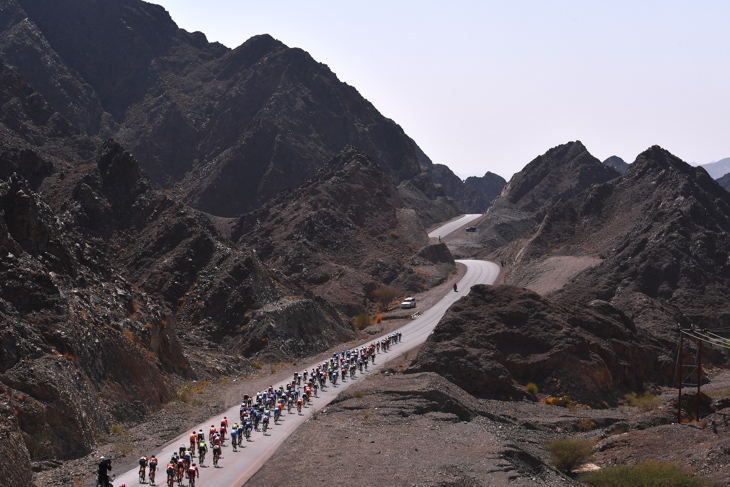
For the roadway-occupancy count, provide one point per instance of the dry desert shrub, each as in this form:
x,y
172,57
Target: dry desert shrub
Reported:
x,y
645,474
568,453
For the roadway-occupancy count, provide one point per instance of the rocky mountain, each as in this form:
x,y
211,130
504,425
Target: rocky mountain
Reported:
x,y
475,194
717,169
617,163
344,233
112,293
724,181
225,130
496,340
660,234
560,173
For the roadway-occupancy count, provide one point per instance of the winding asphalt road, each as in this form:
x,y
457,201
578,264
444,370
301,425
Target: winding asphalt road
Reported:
x,y
235,468
454,225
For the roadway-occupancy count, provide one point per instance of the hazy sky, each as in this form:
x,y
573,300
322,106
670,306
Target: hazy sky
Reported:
x,y
488,86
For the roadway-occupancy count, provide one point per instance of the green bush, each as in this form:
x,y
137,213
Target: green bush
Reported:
x,y
645,474
645,402
569,453
362,321
531,389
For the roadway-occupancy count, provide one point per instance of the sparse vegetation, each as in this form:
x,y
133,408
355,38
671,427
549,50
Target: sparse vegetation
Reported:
x,y
362,321
645,474
586,424
315,414
646,401
383,295
359,394
531,389
42,448
569,453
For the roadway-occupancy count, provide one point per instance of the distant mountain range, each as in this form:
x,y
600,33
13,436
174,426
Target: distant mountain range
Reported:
x,y
717,169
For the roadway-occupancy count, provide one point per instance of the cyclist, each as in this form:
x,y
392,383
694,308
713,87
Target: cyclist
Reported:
x,y
142,468
153,468
180,469
188,456
193,437
170,473
193,472
299,405
277,412
202,450
267,413
234,436
182,450
223,429
201,436
211,433
216,454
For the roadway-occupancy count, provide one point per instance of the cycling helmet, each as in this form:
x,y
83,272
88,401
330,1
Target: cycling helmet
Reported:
x,y
102,458
193,466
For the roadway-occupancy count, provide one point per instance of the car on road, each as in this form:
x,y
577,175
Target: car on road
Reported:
x,y
471,229
408,303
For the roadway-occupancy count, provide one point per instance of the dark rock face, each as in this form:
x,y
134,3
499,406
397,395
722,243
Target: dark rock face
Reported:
x,y
724,181
662,232
343,232
430,202
560,173
495,340
226,130
473,195
617,163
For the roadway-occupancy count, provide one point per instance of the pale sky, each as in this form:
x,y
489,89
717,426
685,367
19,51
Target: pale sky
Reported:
x,y
488,86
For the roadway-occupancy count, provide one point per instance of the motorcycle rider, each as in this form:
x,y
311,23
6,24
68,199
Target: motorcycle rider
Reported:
x,y
105,465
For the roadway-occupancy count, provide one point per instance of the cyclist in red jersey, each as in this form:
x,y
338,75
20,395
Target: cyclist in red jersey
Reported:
x,y
193,438
193,472
212,433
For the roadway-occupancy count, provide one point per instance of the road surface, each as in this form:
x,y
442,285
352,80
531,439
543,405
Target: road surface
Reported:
x,y
454,225
235,468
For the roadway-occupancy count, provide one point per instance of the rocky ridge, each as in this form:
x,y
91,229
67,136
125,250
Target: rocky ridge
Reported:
x,y
560,173
344,233
660,231
617,163
473,195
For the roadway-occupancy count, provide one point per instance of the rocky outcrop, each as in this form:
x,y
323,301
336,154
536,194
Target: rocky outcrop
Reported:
x,y
343,232
495,340
661,232
560,173
475,194
430,202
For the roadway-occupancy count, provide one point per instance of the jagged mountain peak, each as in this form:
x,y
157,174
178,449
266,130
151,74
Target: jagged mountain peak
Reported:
x,y
617,163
